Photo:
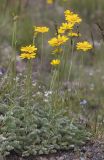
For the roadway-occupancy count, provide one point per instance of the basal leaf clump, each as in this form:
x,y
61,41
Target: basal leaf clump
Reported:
x,y
35,130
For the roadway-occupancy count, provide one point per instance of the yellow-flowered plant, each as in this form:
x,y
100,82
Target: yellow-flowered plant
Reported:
x,y
55,62
67,29
68,26
28,52
57,41
71,17
42,29
84,46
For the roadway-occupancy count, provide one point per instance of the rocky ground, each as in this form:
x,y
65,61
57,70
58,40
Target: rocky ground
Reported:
x,y
92,151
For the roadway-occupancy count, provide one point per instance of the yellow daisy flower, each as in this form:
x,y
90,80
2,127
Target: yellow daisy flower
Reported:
x,y
28,52
74,18
27,55
29,49
57,41
41,29
55,62
68,12
85,46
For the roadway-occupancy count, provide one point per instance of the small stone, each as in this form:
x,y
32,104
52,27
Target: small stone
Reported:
x,y
89,154
61,158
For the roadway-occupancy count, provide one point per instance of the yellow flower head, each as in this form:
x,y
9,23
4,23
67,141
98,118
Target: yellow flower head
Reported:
x,y
68,12
29,49
55,62
61,30
28,52
73,18
74,34
65,27
27,55
41,29
50,1
85,46
57,41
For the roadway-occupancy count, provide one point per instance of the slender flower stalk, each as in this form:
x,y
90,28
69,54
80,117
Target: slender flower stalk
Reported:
x,y
29,81
71,61
12,64
41,30
53,80
42,52
14,41
28,52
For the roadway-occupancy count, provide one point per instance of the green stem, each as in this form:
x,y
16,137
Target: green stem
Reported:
x,y
12,64
53,81
14,53
29,81
61,68
34,38
42,52
71,62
